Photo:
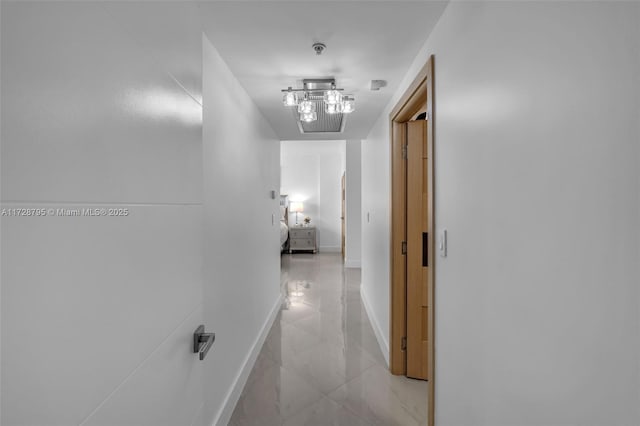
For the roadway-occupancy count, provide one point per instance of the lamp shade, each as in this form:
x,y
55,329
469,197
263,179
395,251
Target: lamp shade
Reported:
x,y
332,108
332,97
296,207
308,117
348,105
306,107
290,99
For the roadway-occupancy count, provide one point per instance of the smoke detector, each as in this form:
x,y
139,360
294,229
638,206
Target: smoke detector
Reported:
x,y
319,48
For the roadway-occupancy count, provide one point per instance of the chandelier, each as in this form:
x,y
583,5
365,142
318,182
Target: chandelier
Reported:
x,y
307,100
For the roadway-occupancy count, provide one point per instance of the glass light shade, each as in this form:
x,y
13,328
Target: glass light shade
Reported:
x,y
309,116
290,99
333,108
348,105
306,107
332,97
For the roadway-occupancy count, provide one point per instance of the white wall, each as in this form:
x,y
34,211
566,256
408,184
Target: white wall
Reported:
x,y
637,85
353,223
537,164
242,244
102,107
97,312
375,228
312,170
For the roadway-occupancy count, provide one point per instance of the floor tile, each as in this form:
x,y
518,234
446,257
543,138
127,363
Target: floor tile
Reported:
x,y
321,363
263,364
287,340
328,366
330,328
364,337
384,399
274,395
296,309
326,413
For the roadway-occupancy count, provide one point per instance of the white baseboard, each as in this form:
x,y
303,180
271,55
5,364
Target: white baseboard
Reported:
x,y
349,263
230,401
380,337
330,249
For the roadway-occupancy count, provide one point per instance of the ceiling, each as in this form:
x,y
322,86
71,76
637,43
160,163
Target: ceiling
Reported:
x,y
267,45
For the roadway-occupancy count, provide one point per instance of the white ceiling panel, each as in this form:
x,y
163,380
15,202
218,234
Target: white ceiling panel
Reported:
x,y
267,45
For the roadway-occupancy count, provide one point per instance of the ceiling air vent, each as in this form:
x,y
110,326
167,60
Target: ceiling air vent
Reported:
x,y
378,84
326,123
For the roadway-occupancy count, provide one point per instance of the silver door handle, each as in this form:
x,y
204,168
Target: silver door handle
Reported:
x,y
202,341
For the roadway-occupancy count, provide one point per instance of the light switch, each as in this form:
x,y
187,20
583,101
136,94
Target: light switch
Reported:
x,y
442,243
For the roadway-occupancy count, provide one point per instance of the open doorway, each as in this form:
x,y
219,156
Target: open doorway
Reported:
x,y
311,172
412,240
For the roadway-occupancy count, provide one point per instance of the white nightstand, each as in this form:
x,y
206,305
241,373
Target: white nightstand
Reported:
x,y
302,238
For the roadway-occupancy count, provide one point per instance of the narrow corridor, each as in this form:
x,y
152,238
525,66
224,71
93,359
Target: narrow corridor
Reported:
x,y
321,363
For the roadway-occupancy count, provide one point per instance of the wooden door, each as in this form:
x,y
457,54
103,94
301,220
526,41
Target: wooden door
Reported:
x,y
342,215
418,233
411,320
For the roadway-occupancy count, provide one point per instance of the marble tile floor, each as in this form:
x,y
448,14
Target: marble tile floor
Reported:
x,y
321,364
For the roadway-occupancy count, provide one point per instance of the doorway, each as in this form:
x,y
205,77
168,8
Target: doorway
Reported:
x,y
412,241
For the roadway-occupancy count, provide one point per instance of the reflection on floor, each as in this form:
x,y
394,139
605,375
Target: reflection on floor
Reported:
x,y
321,364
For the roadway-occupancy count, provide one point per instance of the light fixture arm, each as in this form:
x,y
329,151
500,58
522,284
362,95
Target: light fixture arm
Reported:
x,y
309,90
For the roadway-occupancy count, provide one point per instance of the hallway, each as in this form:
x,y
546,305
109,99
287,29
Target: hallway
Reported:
x,y
321,363
150,150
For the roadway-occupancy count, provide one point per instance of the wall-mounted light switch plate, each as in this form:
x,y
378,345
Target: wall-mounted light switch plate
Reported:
x,y
273,194
442,243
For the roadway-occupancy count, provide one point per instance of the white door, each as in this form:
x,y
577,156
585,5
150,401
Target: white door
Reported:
x,y
101,226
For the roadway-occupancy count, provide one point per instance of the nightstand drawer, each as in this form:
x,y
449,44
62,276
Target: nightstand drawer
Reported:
x,y
302,233
302,244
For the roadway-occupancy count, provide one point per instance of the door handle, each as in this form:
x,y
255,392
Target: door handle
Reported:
x,y
425,249
202,341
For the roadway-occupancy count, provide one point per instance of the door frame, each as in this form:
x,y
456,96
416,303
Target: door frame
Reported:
x,y
343,215
419,94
